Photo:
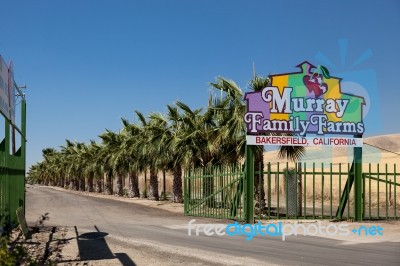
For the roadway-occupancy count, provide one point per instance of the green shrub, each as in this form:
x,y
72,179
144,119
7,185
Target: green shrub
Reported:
x,y
13,255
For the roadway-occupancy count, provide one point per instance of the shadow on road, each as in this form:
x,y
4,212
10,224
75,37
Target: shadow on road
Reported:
x,y
92,247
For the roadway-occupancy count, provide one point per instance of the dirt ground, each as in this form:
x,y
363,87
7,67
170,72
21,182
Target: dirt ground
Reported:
x,y
44,245
58,245
164,205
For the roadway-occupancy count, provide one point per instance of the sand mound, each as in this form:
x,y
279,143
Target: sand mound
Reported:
x,y
387,142
371,154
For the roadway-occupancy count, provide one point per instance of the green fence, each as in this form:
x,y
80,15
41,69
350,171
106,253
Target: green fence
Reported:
x,y
295,191
12,171
214,192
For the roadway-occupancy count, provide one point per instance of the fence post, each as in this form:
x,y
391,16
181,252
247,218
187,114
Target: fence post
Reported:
x,y
390,192
186,198
299,188
249,197
6,172
358,203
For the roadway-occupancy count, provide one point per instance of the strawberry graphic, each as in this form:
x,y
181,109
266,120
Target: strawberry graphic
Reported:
x,y
314,84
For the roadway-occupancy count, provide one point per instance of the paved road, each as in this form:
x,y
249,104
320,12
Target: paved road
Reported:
x,y
131,225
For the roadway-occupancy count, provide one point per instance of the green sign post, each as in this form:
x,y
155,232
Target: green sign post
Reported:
x,y
358,196
249,185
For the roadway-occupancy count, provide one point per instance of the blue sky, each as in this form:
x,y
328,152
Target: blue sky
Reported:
x,y
89,63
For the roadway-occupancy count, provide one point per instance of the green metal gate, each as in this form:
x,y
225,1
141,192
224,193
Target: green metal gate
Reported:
x,y
12,171
214,192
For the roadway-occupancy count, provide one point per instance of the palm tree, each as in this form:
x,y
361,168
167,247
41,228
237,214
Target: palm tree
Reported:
x,y
79,165
233,127
140,148
149,147
158,133
95,165
197,146
172,150
183,138
257,84
197,140
108,146
131,134
166,136
68,154
119,163
228,110
48,166
91,170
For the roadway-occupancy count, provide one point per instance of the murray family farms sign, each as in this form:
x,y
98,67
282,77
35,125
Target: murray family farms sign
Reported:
x,y
301,103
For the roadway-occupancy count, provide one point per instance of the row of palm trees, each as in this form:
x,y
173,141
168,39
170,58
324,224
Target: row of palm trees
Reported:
x,y
181,138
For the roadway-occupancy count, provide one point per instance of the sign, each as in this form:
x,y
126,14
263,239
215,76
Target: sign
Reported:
x,y
303,141
11,92
4,95
305,102
7,90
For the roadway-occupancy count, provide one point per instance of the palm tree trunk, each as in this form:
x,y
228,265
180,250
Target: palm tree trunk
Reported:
x,y
99,185
177,184
72,183
89,184
153,191
120,190
259,191
67,182
133,185
108,183
82,183
76,183
164,186
145,184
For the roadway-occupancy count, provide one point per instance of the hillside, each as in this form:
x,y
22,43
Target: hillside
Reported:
x,y
334,154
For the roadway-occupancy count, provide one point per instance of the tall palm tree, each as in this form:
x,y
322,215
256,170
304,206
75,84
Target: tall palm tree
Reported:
x,y
166,136
108,147
150,138
91,170
95,166
131,134
158,133
172,136
197,141
79,165
49,166
257,84
140,148
119,163
68,154
197,146
232,105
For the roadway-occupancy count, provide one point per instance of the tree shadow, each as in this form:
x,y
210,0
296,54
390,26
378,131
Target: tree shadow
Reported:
x,y
92,246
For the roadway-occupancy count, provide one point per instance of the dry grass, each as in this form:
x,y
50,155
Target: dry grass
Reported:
x,y
339,160
322,192
372,159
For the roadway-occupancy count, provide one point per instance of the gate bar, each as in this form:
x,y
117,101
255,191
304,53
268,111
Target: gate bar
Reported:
x,y
249,196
